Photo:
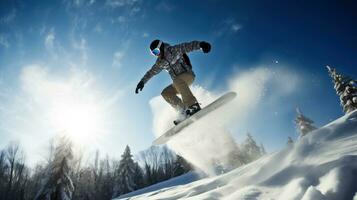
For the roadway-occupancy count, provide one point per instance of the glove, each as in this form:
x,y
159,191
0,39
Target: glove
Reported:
x,y
140,87
205,46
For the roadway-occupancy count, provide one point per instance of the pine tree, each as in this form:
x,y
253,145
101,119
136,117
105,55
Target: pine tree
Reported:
x,y
303,124
58,185
250,150
125,181
346,88
181,166
234,158
149,177
138,176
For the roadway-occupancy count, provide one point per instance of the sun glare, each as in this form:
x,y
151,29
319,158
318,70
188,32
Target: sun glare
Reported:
x,y
80,122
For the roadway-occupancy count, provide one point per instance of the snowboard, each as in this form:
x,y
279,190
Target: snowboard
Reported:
x,y
187,122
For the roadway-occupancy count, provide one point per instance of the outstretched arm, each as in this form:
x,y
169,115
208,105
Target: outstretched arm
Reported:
x,y
192,46
155,69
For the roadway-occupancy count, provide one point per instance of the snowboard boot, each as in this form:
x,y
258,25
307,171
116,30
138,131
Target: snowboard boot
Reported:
x,y
181,117
191,110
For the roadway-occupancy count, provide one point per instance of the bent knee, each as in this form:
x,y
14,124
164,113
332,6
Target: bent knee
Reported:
x,y
166,93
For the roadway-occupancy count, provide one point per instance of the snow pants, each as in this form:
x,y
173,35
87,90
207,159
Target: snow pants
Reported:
x,y
180,86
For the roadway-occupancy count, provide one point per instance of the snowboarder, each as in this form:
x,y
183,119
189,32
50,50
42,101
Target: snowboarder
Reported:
x,y
175,61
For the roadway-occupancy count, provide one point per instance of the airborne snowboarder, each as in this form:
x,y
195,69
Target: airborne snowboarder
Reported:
x,y
175,61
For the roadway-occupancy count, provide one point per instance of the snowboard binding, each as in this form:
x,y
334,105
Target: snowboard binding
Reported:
x,y
191,110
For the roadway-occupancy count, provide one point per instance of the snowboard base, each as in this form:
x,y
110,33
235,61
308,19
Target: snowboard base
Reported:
x,y
187,122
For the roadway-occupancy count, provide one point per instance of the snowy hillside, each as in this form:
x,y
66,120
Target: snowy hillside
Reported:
x,y
322,165
180,180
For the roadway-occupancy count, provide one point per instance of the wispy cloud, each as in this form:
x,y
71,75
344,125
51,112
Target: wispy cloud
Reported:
x,y
165,6
43,29
81,45
145,35
227,26
98,28
117,58
9,17
45,88
50,39
53,45
236,27
128,8
120,3
121,20
4,41
134,10
78,3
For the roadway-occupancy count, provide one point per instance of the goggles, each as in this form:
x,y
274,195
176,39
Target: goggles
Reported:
x,y
156,51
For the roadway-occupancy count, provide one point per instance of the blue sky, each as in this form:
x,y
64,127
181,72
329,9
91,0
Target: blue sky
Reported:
x,y
59,55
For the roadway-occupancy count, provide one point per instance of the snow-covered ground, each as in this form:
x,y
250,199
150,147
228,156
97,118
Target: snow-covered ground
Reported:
x,y
321,165
180,180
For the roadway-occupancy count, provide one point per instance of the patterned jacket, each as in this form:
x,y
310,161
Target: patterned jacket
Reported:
x,y
173,60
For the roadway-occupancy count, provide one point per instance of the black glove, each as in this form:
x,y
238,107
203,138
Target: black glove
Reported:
x,y
205,46
140,87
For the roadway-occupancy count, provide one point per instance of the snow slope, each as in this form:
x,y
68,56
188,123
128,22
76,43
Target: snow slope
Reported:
x,y
180,180
321,165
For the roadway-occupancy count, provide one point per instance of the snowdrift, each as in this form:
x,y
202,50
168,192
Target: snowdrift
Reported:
x,y
320,166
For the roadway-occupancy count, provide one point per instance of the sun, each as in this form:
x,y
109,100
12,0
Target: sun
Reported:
x,y
79,121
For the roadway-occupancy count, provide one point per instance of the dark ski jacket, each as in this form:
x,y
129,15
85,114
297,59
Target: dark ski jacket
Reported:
x,y
174,60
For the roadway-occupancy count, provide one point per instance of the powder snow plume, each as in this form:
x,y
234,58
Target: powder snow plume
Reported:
x,y
208,142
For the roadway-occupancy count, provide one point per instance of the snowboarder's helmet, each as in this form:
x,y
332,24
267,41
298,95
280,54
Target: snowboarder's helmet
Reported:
x,y
155,47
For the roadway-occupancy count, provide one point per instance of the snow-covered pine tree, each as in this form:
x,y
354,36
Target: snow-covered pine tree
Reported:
x,y
234,158
250,150
125,180
346,88
58,185
303,123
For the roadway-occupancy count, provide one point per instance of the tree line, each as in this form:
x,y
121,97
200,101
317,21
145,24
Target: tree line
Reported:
x,y
63,175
